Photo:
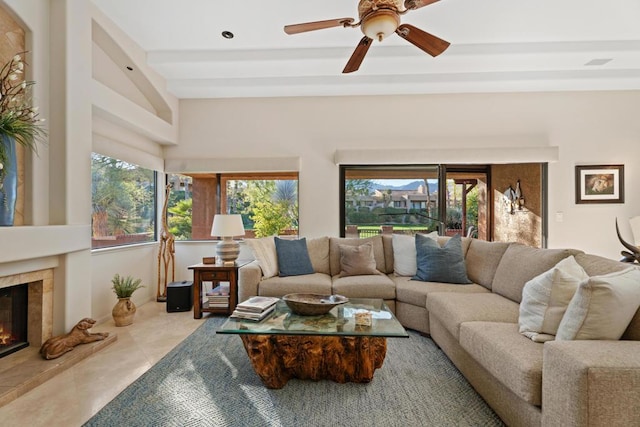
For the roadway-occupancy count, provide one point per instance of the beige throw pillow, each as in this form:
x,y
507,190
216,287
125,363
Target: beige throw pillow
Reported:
x,y
357,260
404,253
264,250
602,307
545,299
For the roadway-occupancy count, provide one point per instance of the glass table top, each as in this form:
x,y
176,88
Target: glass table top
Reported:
x,y
339,321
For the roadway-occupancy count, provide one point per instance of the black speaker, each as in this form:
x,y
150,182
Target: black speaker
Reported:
x,y
179,296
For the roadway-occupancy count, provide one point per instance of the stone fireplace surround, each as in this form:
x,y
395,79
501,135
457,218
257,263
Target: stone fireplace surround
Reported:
x,y
40,308
25,369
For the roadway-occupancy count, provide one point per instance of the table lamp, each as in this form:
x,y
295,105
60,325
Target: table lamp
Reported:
x,y
227,226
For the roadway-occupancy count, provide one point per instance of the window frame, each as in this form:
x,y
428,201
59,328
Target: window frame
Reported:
x,y
216,195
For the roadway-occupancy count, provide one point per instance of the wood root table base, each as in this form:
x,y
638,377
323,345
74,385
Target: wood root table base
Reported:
x,y
278,358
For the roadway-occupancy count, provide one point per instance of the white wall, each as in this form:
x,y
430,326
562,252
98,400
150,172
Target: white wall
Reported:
x,y
139,262
588,127
123,128
59,35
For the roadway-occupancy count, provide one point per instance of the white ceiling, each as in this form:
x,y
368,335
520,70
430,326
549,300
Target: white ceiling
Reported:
x,y
496,46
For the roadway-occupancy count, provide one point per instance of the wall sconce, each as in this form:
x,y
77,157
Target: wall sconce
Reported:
x,y
515,198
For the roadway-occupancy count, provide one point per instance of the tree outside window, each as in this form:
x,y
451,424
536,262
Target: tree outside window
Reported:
x,y
123,202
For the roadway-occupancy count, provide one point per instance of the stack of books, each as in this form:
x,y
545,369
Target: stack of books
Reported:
x,y
219,296
255,308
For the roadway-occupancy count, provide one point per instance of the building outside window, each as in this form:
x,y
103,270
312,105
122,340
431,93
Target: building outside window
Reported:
x,y
411,199
123,198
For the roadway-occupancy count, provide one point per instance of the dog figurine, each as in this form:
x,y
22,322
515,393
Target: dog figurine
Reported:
x,y
57,346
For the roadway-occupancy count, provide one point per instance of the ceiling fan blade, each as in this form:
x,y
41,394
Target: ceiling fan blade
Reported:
x,y
317,25
431,44
358,55
417,4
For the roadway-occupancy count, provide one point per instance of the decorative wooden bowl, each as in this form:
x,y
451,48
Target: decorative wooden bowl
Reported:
x,y
313,304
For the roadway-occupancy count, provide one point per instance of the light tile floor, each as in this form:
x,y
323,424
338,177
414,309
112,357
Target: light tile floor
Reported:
x,y
75,395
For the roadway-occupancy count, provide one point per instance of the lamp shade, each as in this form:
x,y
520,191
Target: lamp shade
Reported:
x,y
227,225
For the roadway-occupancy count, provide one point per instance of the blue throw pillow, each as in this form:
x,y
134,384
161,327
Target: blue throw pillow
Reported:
x,y
440,264
293,257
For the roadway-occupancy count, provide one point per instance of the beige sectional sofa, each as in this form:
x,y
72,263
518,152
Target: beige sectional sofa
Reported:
x,y
558,383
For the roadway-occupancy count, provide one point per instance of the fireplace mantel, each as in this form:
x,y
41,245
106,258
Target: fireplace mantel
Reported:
x,y
31,242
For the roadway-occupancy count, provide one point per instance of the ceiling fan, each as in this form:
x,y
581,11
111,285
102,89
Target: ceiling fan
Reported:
x,y
378,20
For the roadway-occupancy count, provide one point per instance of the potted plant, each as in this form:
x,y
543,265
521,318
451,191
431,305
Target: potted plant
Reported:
x,y
124,310
19,124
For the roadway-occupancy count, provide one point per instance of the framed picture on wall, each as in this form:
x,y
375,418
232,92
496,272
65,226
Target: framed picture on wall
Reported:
x,y
600,184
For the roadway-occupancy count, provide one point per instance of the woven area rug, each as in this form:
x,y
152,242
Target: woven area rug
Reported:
x,y
207,380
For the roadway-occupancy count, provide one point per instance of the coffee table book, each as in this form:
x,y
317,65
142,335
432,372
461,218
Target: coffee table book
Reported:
x,y
252,315
257,304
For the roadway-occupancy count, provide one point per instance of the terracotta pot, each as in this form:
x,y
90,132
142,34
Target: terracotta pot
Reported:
x,y
123,312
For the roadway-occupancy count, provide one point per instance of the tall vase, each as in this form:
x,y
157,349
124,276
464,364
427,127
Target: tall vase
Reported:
x,y
123,312
8,180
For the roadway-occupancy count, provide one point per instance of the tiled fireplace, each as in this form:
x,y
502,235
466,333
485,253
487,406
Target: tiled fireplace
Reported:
x,y
13,319
35,290
25,369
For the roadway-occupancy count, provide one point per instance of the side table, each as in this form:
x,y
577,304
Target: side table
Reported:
x,y
214,273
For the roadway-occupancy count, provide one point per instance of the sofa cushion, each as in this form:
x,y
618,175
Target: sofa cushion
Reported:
x,y
545,299
521,263
466,243
595,265
482,260
316,283
415,292
334,252
511,358
264,251
357,260
369,286
453,308
319,254
440,264
633,330
404,253
387,245
602,307
293,257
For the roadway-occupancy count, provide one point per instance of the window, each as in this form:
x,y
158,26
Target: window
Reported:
x,y
123,197
180,206
411,199
268,203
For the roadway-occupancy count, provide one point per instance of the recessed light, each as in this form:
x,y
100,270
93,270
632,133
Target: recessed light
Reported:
x,y
598,61
130,68
227,34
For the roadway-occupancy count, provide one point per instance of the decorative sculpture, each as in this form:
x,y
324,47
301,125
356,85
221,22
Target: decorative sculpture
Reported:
x,y
166,252
57,346
515,199
634,255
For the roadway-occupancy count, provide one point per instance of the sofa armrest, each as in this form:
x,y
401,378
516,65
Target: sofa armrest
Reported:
x,y
591,383
249,276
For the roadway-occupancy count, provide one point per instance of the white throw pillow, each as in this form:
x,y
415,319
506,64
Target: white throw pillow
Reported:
x,y
264,250
404,253
545,299
602,307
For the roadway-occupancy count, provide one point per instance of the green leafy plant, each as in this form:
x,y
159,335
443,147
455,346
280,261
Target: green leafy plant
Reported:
x,y
18,117
124,287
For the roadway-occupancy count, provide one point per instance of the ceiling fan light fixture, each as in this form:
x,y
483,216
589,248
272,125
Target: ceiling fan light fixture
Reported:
x,y
380,24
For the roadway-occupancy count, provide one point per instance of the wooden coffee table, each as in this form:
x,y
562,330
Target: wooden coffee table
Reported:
x,y
329,346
